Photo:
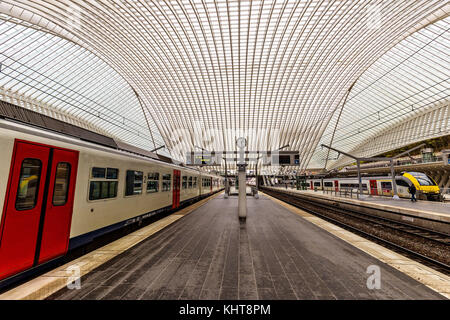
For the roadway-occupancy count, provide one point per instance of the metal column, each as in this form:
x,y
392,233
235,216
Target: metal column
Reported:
x,y
359,178
394,184
242,178
227,187
257,182
242,192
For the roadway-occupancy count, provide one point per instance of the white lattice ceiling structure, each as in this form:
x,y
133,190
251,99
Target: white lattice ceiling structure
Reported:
x,y
276,72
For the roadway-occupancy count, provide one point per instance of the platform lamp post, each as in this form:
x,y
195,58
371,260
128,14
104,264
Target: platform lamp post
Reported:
x,y
256,195
227,189
242,205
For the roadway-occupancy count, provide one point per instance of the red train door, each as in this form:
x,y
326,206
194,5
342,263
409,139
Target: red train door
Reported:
x,y
30,185
373,187
58,213
176,189
211,187
312,185
336,185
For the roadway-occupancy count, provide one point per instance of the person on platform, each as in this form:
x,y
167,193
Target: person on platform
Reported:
x,y
412,190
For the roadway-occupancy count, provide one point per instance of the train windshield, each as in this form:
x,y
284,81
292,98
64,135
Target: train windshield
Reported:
x,y
423,179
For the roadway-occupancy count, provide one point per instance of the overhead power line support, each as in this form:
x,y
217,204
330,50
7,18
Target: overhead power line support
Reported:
x,y
358,164
158,148
390,159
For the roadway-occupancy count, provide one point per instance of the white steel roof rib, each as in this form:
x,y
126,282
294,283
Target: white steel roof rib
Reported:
x,y
410,78
67,77
200,73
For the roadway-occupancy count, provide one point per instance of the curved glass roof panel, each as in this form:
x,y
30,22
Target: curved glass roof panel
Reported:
x,y
412,76
273,71
59,73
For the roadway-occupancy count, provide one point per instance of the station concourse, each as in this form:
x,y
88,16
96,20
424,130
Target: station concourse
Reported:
x,y
224,150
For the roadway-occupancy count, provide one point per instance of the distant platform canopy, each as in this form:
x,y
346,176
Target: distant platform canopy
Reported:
x,y
363,76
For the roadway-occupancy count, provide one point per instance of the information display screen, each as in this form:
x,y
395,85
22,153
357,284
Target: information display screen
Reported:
x,y
284,159
202,159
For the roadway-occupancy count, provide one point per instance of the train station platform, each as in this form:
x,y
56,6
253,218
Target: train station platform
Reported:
x,y
430,210
279,253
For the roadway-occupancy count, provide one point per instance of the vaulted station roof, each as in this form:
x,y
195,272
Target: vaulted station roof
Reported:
x,y
197,73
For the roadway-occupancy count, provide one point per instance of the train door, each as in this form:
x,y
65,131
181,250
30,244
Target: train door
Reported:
x,y
312,187
176,189
211,182
373,187
59,204
37,214
336,185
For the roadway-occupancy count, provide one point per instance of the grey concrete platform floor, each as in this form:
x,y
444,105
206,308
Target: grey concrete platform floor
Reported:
x,y
276,254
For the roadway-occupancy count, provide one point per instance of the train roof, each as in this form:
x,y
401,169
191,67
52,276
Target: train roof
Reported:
x,y
353,178
121,149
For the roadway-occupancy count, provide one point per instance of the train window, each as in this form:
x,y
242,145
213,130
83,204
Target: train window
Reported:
x,y
28,188
386,185
328,184
402,183
184,182
353,185
61,187
94,190
316,184
112,189
98,173
423,179
134,180
102,190
190,182
194,182
166,182
112,173
153,182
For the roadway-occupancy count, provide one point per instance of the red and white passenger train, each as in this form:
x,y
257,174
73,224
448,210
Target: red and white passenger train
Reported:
x,y
58,193
426,187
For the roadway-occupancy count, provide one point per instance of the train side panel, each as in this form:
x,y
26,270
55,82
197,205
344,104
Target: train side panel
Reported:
x,y
189,185
91,215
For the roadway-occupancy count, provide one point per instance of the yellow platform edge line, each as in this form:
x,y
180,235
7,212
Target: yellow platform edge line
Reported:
x,y
45,285
431,278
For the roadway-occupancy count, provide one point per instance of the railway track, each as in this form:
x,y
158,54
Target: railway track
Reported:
x,y
349,219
